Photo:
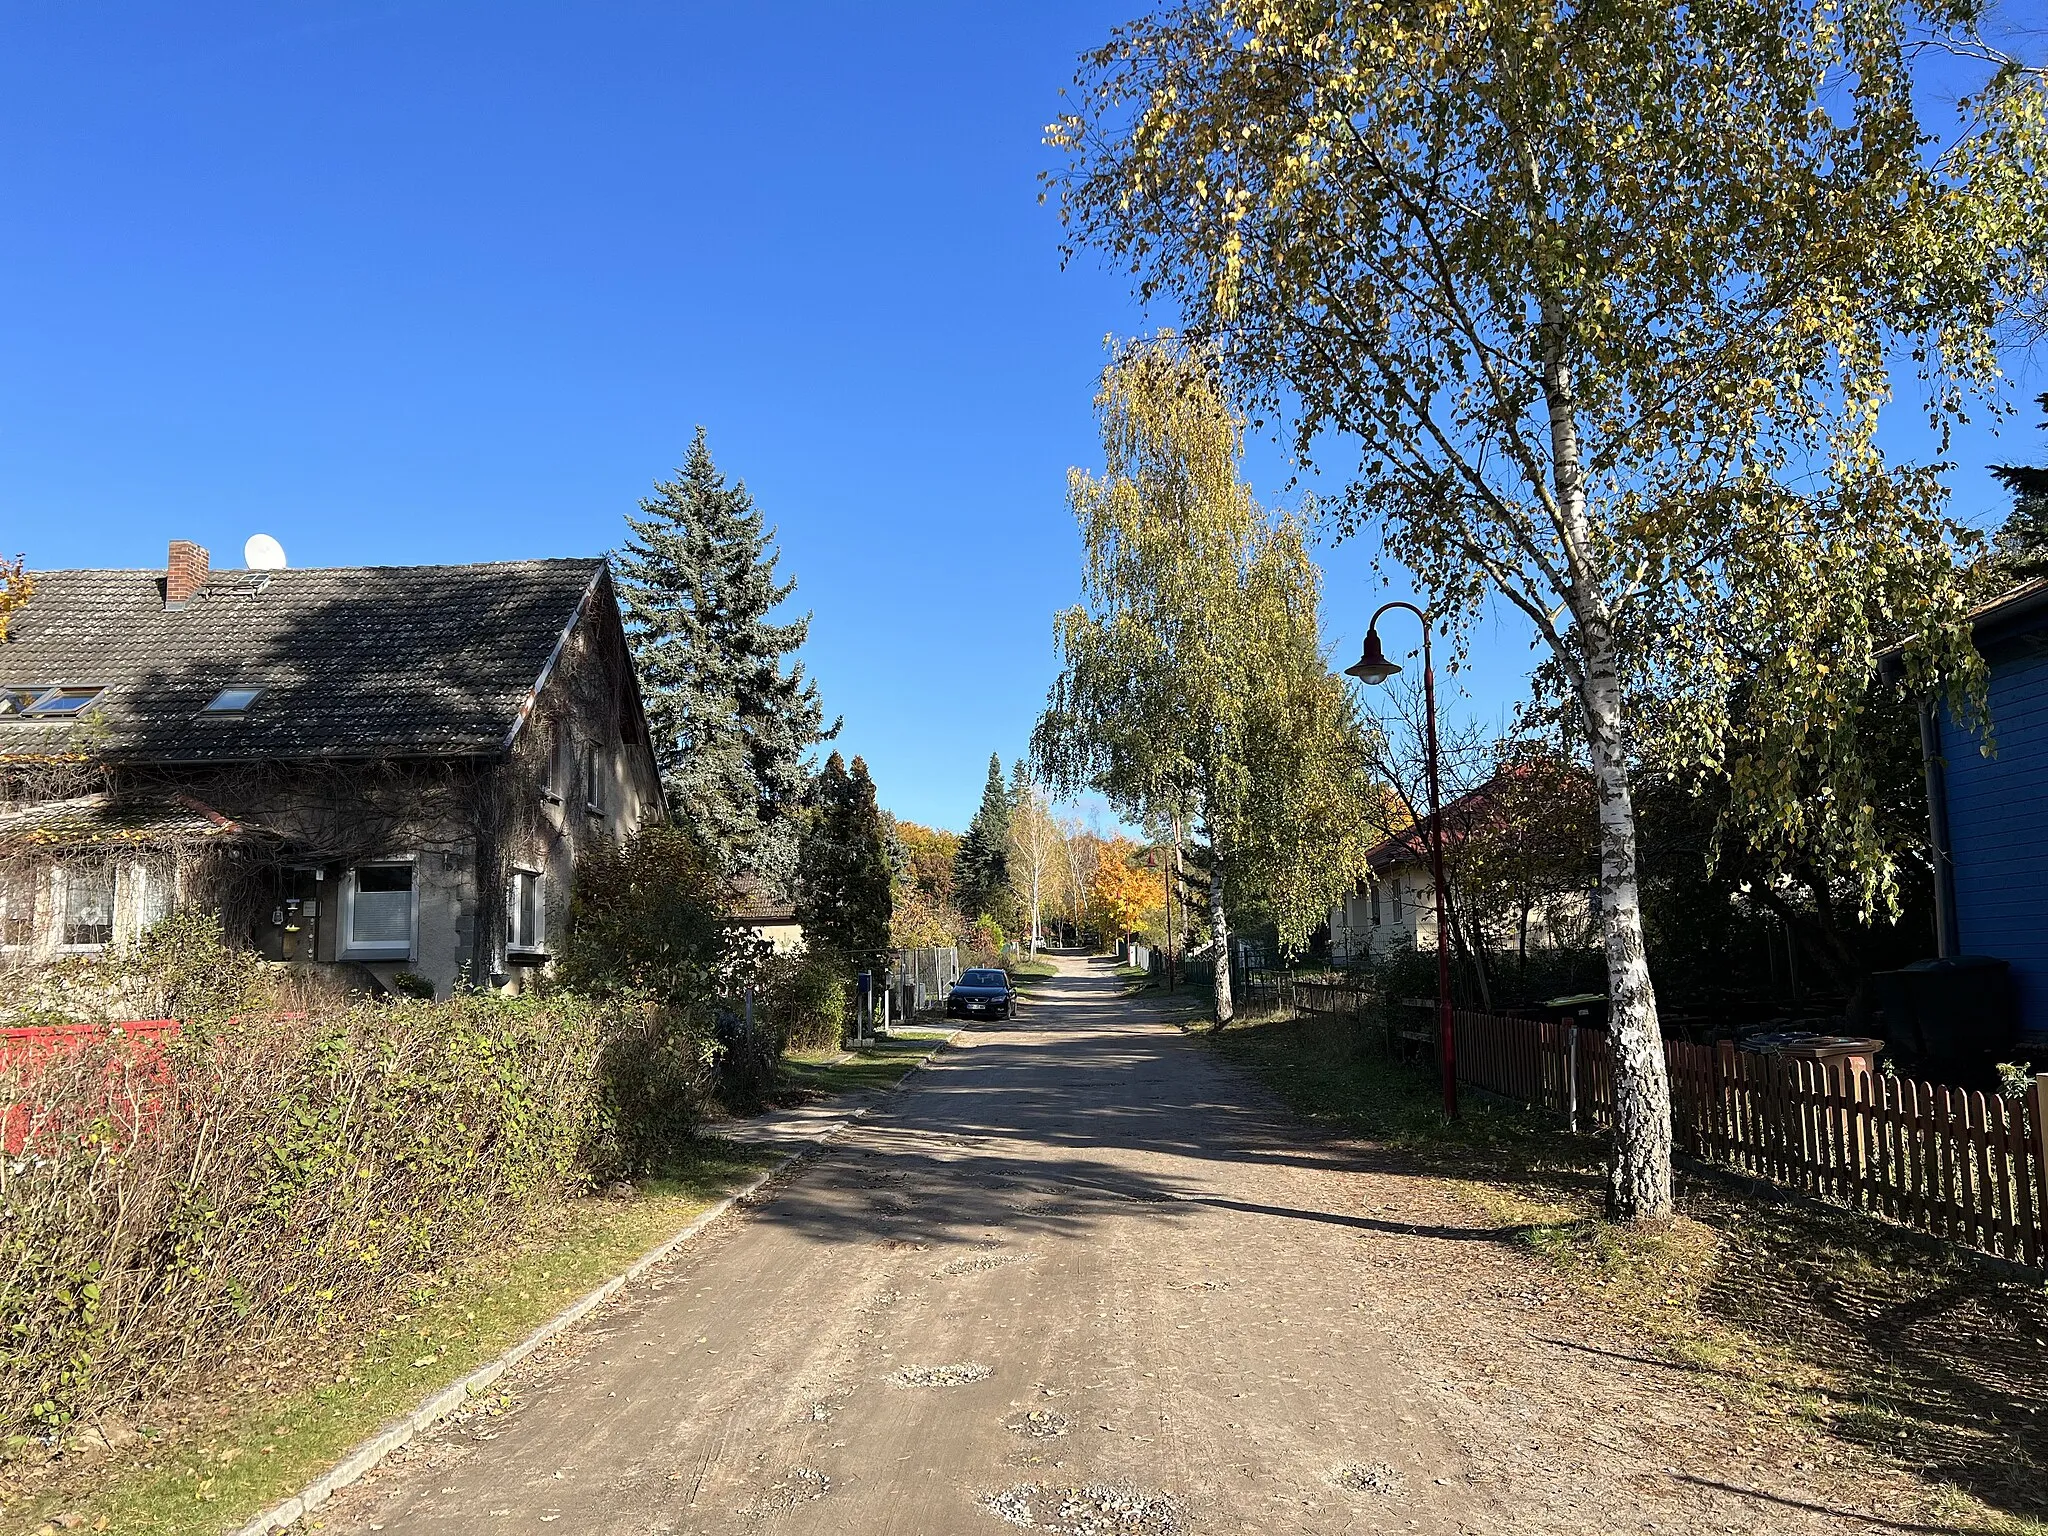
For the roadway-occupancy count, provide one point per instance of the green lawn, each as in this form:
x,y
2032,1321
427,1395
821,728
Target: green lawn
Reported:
x,y
271,1423
877,1065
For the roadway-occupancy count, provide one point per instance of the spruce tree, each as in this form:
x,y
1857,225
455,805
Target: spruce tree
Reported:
x,y
981,869
843,877
2020,547
731,723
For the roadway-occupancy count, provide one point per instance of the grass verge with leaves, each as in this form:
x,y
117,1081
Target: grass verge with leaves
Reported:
x,y
1868,1336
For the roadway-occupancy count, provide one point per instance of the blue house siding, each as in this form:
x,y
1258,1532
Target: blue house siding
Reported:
x,y
1998,831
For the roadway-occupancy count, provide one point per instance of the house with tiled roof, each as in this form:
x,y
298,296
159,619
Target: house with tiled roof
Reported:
x,y
1392,906
383,770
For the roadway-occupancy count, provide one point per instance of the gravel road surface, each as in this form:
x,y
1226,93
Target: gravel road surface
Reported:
x,y
1078,1276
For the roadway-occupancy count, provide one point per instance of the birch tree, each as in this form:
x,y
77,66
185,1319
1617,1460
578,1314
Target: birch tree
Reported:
x,y
1193,683
1036,846
1605,297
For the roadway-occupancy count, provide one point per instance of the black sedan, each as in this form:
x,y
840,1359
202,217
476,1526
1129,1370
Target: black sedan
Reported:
x,y
984,993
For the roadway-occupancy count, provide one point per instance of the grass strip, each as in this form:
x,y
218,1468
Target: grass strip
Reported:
x,y
879,1064
269,1424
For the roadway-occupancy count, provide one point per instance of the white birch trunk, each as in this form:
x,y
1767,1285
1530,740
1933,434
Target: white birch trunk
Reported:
x,y
1219,928
1639,1180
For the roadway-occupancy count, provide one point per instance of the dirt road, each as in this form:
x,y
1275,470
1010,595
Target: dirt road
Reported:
x,y
1077,1276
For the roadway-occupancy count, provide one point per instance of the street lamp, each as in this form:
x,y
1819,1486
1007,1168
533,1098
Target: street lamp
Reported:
x,y
1374,668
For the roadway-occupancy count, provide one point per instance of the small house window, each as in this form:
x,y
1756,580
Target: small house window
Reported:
x,y
232,701
17,910
594,764
85,907
1397,901
1374,887
554,780
381,910
63,701
526,913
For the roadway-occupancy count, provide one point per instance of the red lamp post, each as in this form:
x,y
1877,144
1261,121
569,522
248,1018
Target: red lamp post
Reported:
x,y
1374,668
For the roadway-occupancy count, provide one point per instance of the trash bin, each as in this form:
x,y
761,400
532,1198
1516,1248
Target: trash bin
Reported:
x,y
1847,1054
1956,1013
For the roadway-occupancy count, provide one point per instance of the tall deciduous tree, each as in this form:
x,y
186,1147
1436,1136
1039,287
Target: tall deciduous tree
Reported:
x,y
1037,848
1605,297
1118,894
981,868
1194,682
843,880
732,723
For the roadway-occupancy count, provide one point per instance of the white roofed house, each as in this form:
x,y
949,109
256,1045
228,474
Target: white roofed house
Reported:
x,y
378,769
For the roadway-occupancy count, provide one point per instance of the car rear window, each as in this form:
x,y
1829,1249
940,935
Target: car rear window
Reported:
x,y
982,979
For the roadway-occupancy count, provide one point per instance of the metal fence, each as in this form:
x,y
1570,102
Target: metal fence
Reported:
x,y
921,978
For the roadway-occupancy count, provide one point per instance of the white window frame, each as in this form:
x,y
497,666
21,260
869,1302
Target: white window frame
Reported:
x,y
350,949
593,783
527,945
60,890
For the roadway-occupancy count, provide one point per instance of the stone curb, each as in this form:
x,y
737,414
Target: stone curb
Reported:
x,y
450,1399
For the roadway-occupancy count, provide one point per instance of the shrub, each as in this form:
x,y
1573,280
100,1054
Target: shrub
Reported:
x,y
805,1000
649,922
181,968
984,941
170,1203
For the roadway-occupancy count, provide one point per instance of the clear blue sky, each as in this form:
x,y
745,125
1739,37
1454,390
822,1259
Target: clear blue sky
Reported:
x,y
452,282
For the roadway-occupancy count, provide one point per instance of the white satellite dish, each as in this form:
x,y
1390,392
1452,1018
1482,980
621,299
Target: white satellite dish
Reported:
x,y
263,553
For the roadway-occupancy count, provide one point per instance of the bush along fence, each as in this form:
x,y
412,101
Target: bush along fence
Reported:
x,y
1966,1166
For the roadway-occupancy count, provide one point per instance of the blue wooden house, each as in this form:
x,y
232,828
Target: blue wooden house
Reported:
x,y
1989,814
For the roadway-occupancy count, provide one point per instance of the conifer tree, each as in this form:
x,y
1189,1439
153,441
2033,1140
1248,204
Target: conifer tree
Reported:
x,y
2020,548
844,901
981,869
731,723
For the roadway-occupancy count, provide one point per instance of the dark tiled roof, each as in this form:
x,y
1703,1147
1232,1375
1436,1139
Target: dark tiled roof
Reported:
x,y
421,660
102,821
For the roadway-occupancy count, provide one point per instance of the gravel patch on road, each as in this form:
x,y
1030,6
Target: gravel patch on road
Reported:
x,y
1099,1509
1379,1478
942,1375
1039,1424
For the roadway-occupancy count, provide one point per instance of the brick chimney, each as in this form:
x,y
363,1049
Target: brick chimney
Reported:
x,y
186,574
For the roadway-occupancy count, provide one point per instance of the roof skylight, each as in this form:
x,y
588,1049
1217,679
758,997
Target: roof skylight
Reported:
x,y
232,701
62,701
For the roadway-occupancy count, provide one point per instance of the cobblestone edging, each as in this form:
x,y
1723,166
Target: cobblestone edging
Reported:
x,y
451,1399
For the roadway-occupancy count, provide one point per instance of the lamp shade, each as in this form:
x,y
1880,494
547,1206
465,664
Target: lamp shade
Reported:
x,y
1372,665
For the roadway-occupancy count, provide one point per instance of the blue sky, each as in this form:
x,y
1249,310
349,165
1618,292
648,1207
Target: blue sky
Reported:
x,y
455,282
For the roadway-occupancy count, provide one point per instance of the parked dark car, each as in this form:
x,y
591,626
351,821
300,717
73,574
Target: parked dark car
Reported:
x,y
980,992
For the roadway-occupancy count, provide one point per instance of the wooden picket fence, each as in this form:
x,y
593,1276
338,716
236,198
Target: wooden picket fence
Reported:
x,y
1966,1166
